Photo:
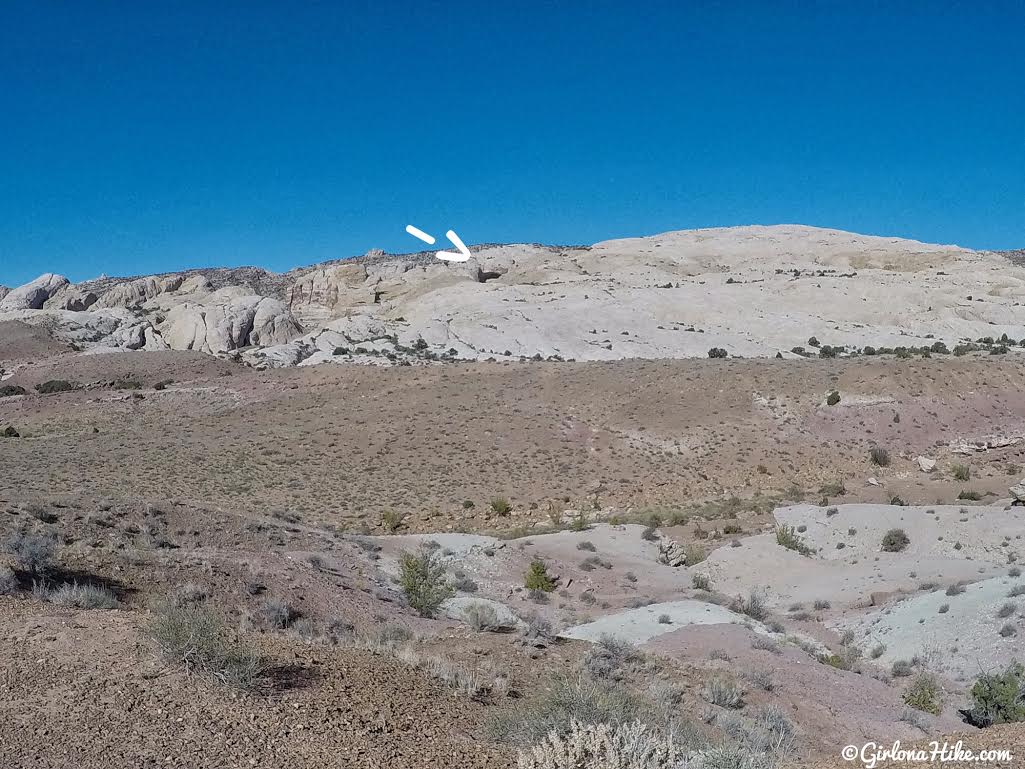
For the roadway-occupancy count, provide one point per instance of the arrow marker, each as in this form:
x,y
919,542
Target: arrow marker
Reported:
x,y
448,256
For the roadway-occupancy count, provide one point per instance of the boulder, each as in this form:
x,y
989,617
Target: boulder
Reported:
x,y
1018,493
926,465
33,295
227,323
135,292
72,298
671,553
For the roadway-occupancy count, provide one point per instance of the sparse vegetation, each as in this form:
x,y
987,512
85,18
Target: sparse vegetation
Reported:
x,y
787,537
423,581
924,694
961,472
999,698
501,506
538,577
56,386
724,693
833,398
193,636
880,457
82,596
895,540
32,553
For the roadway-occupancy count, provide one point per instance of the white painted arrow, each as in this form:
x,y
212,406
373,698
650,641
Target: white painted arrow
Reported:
x,y
448,256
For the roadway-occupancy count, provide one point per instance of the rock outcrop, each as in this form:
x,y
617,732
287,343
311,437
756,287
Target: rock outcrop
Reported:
x,y
750,291
33,295
224,323
1018,493
671,553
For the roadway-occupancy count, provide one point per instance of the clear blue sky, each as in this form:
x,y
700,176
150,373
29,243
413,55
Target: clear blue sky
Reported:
x,y
150,136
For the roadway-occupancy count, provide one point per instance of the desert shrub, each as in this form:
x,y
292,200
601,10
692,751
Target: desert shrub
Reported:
x,y
1008,631
1005,611
828,351
717,352
608,656
56,386
833,398
538,631
924,694
278,614
82,596
762,679
879,456
895,540
586,545
628,746
32,553
694,554
195,637
481,617
1014,592
8,581
501,506
568,699
821,604
538,578
163,384
956,589
753,606
724,693
463,583
834,489
970,495
961,472
422,579
6,391
701,581
190,592
999,698
787,537
392,520
902,668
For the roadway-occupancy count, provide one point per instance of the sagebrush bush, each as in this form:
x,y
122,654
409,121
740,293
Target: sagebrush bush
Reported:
x,y
481,617
895,540
608,656
277,613
999,698
32,553
501,506
568,699
8,581
423,581
724,693
56,386
924,694
753,606
193,636
82,596
601,746
879,456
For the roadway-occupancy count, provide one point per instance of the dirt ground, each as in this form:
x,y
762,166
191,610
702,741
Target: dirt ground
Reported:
x,y
274,484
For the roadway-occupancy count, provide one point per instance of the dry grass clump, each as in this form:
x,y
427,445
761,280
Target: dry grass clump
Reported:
x,y
194,636
81,596
602,746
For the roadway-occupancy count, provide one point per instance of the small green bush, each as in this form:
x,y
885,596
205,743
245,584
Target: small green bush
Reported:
x,y
422,579
501,506
7,391
538,578
717,352
924,694
999,698
787,537
833,398
970,494
895,540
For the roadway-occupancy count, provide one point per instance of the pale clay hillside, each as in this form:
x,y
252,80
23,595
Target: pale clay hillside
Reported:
x,y
752,291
